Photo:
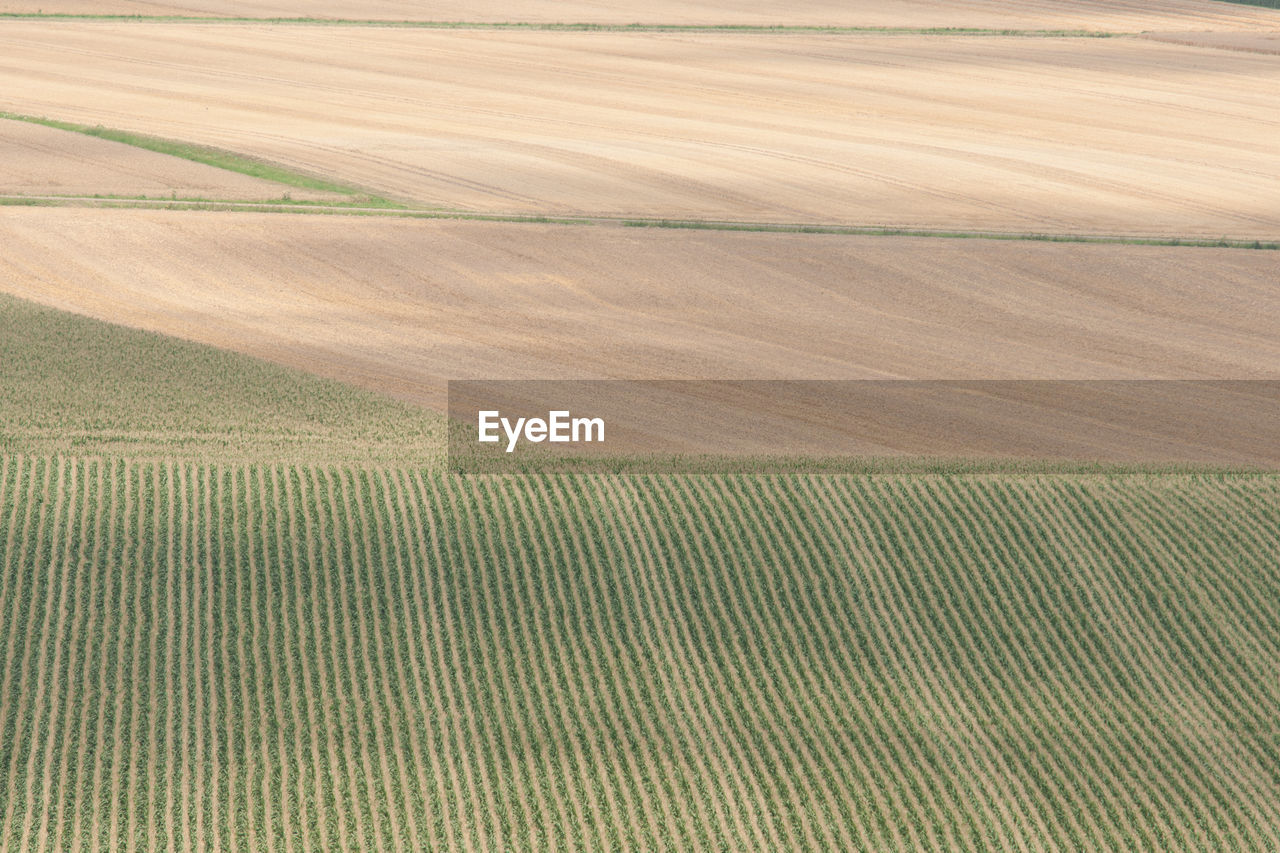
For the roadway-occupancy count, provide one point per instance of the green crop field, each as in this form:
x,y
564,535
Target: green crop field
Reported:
x,y
77,386
210,643
297,657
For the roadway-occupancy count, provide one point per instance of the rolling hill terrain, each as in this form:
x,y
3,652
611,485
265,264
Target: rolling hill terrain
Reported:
x,y
246,604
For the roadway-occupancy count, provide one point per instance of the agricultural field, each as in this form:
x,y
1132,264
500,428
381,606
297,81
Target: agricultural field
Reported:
x,y
247,603
75,386
1114,136
47,163
311,657
399,306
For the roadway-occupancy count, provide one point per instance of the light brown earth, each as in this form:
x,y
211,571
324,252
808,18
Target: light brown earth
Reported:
x,y
1123,136
400,306
1245,42
1226,423
1026,14
38,161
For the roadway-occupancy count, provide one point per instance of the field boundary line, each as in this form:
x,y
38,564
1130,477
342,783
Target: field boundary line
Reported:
x,y
829,229
571,26
219,158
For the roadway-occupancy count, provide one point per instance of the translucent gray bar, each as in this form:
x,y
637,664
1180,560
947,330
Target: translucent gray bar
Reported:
x,y
650,423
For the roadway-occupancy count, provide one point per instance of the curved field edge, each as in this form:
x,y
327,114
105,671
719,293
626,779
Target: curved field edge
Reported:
x,y
210,156
77,385
279,657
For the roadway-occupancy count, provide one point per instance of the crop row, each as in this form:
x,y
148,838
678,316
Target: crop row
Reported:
x,y
207,657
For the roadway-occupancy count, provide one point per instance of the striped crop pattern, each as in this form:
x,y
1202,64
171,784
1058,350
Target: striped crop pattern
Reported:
x,y
291,658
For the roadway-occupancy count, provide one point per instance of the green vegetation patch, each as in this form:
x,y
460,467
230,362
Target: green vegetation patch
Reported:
x,y
322,657
73,384
210,156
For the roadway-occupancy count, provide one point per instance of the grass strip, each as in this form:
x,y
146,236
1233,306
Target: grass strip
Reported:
x,y
217,157
177,202
355,209
877,231
579,27
938,466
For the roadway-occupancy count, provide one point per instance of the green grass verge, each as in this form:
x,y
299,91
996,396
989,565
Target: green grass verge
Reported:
x,y
210,156
577,27
177,202
356,208
783,228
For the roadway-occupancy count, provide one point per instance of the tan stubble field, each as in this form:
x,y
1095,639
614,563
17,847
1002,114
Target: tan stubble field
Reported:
x,y
1115,136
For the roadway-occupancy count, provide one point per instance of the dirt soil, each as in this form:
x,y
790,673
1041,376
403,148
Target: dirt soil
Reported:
x,y
1117,136
400,306
1268,43
41,161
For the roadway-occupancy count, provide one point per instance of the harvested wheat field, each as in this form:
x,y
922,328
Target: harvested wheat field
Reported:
x,y
399,306
1129,16
1117,136
1245,42
42,161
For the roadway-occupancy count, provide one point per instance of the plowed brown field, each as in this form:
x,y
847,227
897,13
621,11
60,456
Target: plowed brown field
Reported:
x,y
1267,42
400,306
37,160
1123,136
1026,14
